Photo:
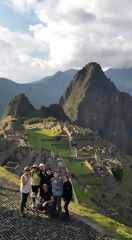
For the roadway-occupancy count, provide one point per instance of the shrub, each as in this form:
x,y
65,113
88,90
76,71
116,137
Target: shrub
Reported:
x,y
118,173
58,138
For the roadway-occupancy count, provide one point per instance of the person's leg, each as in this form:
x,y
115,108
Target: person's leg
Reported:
x,y
35,190
66,208
58,202
24,197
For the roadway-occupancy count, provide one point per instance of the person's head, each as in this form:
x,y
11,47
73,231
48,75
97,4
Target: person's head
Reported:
x,y
42,167
56,174
35,168
65,178
45,187
26,170
48,171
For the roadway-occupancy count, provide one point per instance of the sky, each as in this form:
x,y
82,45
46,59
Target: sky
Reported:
x,y
41,37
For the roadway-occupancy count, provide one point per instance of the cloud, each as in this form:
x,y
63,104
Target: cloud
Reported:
x,y
16,60
23,5
69,34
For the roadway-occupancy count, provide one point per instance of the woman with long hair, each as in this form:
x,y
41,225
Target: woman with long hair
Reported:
x,y
67,195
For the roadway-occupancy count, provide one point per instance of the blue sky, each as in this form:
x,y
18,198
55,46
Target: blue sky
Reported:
x,y
16,21
40,37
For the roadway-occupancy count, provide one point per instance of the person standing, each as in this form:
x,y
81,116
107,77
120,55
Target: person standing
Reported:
x,y
25,188
35,183
57,190
67,194
45,179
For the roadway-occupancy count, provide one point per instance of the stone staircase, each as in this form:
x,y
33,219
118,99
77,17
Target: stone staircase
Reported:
x,y
27,161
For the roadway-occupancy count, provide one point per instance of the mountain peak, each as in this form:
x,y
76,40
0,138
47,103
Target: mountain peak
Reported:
x,y
93,101
93,66
91,71
19,106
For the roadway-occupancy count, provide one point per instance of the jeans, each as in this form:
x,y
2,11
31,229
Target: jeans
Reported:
x,y
24,198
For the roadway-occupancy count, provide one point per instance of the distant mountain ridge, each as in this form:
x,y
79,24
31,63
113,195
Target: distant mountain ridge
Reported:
x,y
49,89
122,78
21,107
92,100
44,92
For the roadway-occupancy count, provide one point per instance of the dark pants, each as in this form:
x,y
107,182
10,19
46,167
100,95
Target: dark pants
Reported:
x,y
58,204
50,209
66,207
24,197
35,189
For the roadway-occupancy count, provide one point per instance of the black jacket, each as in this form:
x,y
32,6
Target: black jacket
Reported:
x,y
44,179
67,191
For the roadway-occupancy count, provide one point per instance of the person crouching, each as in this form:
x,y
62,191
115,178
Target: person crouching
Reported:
x,y
47,202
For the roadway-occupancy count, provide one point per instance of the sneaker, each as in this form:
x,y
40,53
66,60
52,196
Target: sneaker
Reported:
x,y
47,217
33,205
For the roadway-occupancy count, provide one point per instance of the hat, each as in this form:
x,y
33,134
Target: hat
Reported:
x,y
26,169
41,165
35,166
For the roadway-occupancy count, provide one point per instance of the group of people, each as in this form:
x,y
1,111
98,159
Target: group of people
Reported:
x,y
47,186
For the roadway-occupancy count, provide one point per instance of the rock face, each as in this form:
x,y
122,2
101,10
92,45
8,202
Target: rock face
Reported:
x,y
21,107
93,101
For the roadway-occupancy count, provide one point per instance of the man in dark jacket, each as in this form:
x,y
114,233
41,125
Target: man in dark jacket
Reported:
x,y
67,194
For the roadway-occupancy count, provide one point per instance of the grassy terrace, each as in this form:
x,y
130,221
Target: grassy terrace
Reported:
x,y
77,167
4,174
119,231
46,139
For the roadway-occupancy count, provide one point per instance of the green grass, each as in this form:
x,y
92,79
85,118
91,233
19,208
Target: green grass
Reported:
x,y
44,139
120,231
82,196
8,176
77,167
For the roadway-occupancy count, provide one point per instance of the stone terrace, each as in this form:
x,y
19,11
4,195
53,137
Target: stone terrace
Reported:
x,y
34,226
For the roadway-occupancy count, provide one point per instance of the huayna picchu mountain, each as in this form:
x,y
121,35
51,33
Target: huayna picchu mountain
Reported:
x,y
92,100
21,107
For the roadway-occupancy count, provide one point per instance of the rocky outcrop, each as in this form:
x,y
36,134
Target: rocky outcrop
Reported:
x,y
22,108
93,101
